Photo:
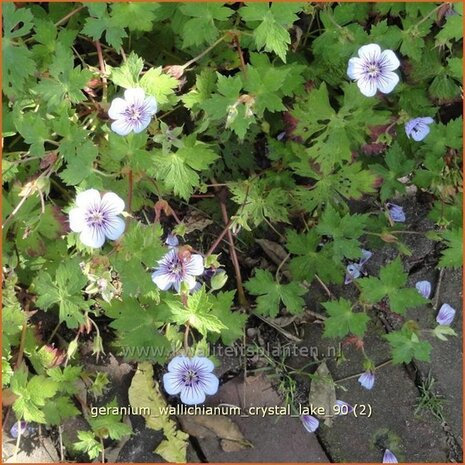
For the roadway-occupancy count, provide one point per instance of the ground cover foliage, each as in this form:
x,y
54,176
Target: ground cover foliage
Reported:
x,y
250,125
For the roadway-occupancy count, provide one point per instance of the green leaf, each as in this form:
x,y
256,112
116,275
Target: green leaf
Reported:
x,y
110,424
275,19
271,293
88,444
134,15
343,321
310,259
390,284
233,321
202,27
197,313
452,257
344,231
406,346
159,85
127,75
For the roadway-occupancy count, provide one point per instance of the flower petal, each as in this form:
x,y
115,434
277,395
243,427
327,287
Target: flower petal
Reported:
x,y
150,105
370,53
121,127
134,96
419,132
367,380
446,315
424,288
140,125
202,363
195,266
77,219
112,203
179,363
355,68
192,395
172,383
88,198
114,228
117,108
367,86
389,457
389,60
92,237
162,279
210,383
310,423
387,81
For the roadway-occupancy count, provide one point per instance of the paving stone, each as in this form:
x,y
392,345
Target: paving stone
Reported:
x,y
446,356
32,450
274,438
393,423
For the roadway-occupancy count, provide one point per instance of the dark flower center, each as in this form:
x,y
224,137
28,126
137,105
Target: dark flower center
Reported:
x,y
96,218
190,377
133,113
373,69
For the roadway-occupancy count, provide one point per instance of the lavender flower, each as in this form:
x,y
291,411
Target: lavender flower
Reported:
x,y
389,457
373,70
310,423
367,379
354,270
446,315
133,113
344,407
97,218
396,213
418,128
171,241
424,288
18,426
175,268
192,377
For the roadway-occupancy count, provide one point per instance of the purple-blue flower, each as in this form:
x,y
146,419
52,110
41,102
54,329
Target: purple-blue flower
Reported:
x,y
418,128
396,212
424,288
310,423
389,457
446,315
373,70
175,268
171,241
354,270
133,113
96,217
192,377
18,426
367,379
344,407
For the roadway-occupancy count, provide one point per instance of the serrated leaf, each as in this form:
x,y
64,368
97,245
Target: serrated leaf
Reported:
x,y
343,321
452,256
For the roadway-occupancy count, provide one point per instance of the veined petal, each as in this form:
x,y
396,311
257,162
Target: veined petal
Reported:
x,y
150,105
446,315
134,96
77,219
369,53
424,288
389,60
172,383
310,423
367,380
192,395
202,363
210,383
92,237
367,86
387,81
88,198
121,127
117,108
195,265
162,279
140,125
420,131
355,68
179,363
114,228
112,203
389,457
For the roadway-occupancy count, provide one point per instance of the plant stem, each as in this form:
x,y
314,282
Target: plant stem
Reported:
x,y
131,181
69,15
219,239
207,50
102,69
387,362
